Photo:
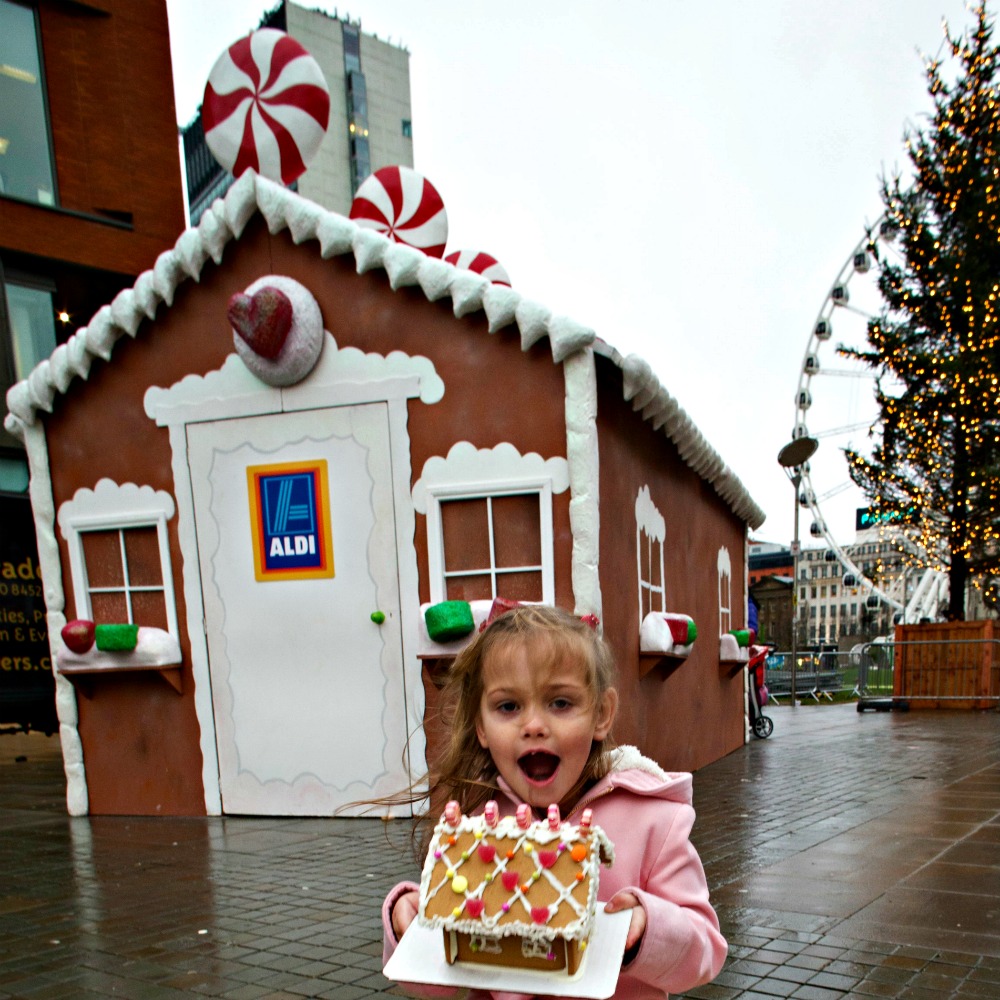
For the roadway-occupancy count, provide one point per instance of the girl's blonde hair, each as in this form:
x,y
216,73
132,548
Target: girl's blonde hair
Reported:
x,y
465,770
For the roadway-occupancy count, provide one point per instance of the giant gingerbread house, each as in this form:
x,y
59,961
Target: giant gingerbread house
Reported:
x,y
261,541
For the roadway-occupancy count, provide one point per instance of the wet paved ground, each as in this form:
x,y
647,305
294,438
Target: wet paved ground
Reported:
x,y
848,855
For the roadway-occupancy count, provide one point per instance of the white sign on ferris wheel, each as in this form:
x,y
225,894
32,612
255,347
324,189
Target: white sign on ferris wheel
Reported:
x,y
835,401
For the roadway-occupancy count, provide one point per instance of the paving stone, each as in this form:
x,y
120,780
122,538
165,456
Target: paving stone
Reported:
x,y
113,906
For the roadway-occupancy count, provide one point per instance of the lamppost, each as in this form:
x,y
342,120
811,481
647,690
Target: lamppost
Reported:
x,y
791,458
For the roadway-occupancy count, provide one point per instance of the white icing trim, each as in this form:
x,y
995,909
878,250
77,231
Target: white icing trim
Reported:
x,y
649,522
154,648
43,508
725,579
582,453
226,220
655,635
730,650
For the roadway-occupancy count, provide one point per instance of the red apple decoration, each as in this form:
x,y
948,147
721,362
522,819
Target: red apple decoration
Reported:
x,y
78,635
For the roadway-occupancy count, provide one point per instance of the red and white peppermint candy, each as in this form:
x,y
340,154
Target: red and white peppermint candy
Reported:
x,y
266,106
480,263
405,206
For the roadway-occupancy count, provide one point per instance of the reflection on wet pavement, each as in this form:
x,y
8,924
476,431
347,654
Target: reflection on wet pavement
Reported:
x,y
848,855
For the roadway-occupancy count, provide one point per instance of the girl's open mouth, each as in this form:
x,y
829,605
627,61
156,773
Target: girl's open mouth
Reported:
x,y
539,766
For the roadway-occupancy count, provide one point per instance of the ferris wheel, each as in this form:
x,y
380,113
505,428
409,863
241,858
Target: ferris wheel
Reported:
x,y
835,405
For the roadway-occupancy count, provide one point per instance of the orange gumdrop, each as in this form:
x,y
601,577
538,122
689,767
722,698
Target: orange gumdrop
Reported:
x,y
579,852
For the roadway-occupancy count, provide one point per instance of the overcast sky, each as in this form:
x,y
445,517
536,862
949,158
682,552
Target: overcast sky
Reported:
x,y
686,178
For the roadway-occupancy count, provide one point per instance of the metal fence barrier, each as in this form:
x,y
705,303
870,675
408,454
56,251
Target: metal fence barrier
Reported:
x,y
817,675
946,673
958,673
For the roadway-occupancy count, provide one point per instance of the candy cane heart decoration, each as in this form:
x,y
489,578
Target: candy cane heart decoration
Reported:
x,y
405,206
266,106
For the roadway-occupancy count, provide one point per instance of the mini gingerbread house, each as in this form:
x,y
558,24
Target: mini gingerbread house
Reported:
x,y
276,515
513,892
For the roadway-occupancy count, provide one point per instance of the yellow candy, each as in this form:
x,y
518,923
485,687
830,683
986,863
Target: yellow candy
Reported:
x,y
478,834
450,873
459,884
457,912
528,848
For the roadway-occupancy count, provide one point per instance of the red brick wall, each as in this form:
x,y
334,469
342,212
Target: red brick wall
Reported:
x,y
114,135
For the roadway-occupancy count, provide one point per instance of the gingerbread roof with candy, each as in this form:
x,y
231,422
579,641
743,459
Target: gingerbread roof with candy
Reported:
x,y
405,266
512,875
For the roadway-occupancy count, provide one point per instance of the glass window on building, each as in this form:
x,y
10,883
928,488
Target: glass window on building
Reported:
x,y
26,168
31,319
352,48
407,128
357,103
361,161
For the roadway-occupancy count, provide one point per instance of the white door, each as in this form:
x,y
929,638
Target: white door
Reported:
x,y
296,546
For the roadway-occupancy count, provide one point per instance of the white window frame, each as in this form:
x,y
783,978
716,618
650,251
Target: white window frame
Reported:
x,y
436,556
470,473
649,523
725,565
113,507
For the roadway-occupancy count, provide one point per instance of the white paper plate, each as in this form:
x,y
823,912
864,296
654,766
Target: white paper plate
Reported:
x,y
420,959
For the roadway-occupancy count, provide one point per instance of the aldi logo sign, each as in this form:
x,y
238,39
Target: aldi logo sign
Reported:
x,y
290,521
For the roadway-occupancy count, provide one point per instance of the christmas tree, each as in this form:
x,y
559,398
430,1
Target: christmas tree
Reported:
x,y
934,469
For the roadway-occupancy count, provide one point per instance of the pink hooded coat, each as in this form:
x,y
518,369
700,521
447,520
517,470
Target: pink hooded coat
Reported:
x,y
647,814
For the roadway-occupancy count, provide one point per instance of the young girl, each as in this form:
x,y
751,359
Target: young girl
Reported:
x,y
533,705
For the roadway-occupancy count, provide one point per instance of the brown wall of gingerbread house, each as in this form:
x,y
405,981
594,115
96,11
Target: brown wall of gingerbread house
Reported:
x,y
494,393
141,739
661,697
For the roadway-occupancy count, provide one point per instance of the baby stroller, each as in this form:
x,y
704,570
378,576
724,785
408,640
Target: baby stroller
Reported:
x,y
760,723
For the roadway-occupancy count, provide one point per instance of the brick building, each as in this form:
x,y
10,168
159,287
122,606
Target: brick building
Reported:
x,y
90,195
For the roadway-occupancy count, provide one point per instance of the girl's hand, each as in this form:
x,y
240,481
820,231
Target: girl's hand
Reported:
x,y
626,901
404,912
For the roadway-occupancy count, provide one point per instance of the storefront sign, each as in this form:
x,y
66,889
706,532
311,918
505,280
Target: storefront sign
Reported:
x,y
27,687
290,521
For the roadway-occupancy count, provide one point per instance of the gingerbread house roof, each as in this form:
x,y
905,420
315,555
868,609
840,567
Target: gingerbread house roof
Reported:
x,y
506,878
336,235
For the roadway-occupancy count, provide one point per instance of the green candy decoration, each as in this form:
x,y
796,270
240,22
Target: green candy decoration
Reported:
x,y
116,638
449,620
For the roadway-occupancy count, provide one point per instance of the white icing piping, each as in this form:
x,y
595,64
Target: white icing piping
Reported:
x,y
405,266
582,455
536,834
43,508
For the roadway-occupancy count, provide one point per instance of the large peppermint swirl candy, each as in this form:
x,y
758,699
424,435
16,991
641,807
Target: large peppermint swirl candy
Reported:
x,y
405,206
266,106
480,263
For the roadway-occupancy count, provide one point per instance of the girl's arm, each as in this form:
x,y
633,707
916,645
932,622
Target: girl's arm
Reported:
x,y
401,894
681,946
